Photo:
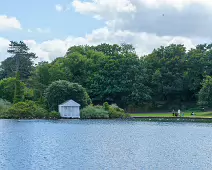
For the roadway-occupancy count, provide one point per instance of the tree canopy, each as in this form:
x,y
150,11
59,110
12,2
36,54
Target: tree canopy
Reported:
x,y
61,91
21,60
205,93
170,76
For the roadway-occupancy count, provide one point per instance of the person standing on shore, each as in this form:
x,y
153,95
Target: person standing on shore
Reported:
x,y
173,112
178,112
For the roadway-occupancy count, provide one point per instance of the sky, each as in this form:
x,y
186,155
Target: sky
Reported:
x,y
50,27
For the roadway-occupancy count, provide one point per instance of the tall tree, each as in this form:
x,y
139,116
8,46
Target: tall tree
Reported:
x,y
166,68
40,79
21,60
199,65
110,73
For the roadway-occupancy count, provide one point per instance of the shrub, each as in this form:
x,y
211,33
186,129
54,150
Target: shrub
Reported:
x,y
22,110
94,112
115,111
27,109
40,113
4,106
54,115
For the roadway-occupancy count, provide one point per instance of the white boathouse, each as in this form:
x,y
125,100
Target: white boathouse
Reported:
x,y
69,109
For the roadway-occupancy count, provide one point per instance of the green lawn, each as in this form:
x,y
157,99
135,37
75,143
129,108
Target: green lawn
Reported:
x,y
187,114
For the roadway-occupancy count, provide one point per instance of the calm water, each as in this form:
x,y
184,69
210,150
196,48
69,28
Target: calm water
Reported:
x,y
76,144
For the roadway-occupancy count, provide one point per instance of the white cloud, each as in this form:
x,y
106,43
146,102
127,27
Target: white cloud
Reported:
x,y
164,17
59,7
7,23
143,42
104,6
62,8
178,4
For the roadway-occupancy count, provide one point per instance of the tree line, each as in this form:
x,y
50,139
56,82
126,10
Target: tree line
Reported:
x,y
169,77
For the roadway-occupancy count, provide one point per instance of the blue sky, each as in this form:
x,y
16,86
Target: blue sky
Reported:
x,y
146,24
42,14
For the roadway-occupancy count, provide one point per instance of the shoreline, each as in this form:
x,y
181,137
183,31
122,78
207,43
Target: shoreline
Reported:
x,y
149,119
174,119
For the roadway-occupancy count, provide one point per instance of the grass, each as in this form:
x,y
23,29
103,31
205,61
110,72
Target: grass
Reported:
x,y
186,114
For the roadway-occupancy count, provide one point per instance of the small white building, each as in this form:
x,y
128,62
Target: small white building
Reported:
x,y
69,109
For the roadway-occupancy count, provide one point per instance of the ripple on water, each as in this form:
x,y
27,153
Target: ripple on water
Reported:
x,y
104,144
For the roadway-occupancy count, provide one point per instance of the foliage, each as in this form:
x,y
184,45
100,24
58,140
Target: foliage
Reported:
x,y
167,67
194,109
22,110
115,111
4,106
28,109
169,77
39,80
21,60
54,115
61,91
7,89
18,95
205,94
28,93
103,112
93,112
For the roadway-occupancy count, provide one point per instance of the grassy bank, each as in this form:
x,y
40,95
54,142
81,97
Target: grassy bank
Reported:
x,y
186,114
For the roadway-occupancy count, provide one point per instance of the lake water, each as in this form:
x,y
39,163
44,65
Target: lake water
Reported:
x,y
104,144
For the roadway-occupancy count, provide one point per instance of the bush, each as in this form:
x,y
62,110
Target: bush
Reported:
x,y
54,115
22,110
4,106
28,110
103,112
94,112
40,113
115,111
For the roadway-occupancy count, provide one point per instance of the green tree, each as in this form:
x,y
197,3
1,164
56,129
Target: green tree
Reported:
x,y
110,73
199,65
80,66
7,89
119,79
205,94
40,79
18,95
61,91
21,60
107,49
166,70
57,71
